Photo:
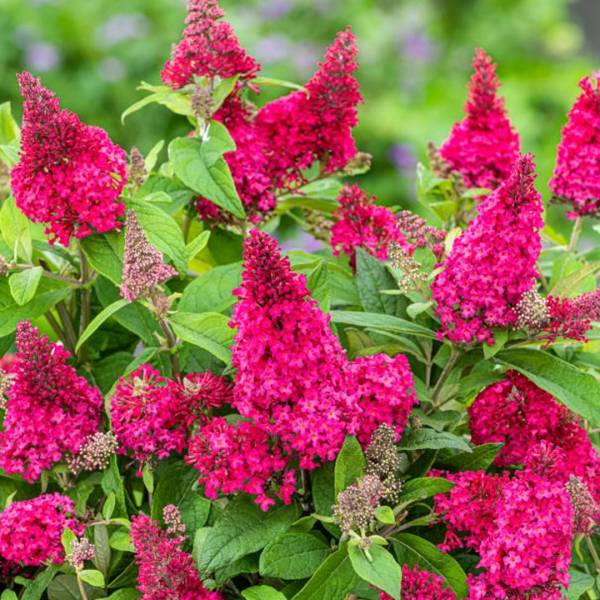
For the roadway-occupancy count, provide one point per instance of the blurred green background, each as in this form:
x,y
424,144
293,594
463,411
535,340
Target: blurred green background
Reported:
x,y
415,61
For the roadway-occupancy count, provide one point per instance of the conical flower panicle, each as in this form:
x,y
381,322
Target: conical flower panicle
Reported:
x,y
50,410
316,124
294,378
69,175
209,47
493,263
143,266
576,179
289,364
483,147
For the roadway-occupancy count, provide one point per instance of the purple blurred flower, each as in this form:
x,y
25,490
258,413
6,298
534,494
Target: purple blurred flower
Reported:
x,y
122,27
301,241
417,46
305,57
275,9
41,56
403,157
111,69
273,49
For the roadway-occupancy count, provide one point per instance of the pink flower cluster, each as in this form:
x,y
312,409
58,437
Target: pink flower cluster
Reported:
x,y
248,163
50,410
316,124
484,146
209,47
576,178
362,224
69,175
522,528
165,571
493,263
571,317
293,377
418,234
239,457
418,584
529,548
146,416
529,421
199,393
31,530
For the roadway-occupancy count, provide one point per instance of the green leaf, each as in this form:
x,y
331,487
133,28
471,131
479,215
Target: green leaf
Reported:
x,y
24,284
246,564
201,166
480,458
36,588
93,577
349,464
162,232
323,494
318,284
112,481
15,229
209,331
332,580
99,319
293,556
105,253
262,592
211,291
420,439
197,244
9,595
421,488
372,277
9,129
500,338
102,546
382,571
412,550
134,317
121,540
67,538
379,321
65,587
577,390
242,529
580,584
416,308
271,81
124,594
177,485
48,294
176,101
385,515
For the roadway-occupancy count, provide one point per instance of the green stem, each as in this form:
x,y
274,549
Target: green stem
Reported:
x,y
85,298
187,223
56,327
51,275
171,344
575,234
67,326
81,587
454,354
593,552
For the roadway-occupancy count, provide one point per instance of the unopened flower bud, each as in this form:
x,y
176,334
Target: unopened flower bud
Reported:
x,y
81,550
173,521
137,167
95,453
356,505
585,509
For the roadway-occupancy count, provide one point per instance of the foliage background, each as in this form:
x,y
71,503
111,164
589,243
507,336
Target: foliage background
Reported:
x,y
415,61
